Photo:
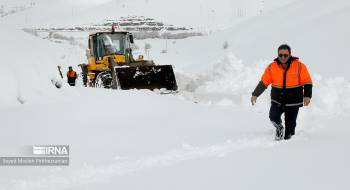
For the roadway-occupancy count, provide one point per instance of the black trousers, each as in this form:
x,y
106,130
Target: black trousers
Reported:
x,y
71,81
290,117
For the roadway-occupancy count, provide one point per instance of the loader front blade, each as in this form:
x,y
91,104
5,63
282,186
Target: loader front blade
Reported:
x,y
146,77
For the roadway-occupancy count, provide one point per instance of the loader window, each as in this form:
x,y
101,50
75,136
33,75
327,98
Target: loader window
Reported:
x,y
109,44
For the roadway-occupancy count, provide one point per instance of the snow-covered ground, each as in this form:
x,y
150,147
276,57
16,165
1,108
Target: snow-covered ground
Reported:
x,y
207,136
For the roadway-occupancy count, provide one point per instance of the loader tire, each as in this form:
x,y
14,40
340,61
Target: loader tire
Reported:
x,y
104,80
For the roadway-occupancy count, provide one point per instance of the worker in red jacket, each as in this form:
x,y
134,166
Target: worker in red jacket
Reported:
x,y
291,89
71,76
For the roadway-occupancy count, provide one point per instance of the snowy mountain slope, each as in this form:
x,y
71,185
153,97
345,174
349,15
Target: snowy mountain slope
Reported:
x,y
142,140
200,14
205,15
45,13
316,31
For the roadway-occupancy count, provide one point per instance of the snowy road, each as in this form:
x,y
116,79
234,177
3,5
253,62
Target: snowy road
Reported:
x,y
170,142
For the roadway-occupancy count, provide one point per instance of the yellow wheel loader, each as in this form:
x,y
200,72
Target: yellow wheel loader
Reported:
x,y
112,65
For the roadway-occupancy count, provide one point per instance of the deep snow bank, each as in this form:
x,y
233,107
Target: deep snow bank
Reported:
x,y
29,64
230,82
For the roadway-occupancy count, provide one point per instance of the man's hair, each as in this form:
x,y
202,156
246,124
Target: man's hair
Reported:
x,y
285,46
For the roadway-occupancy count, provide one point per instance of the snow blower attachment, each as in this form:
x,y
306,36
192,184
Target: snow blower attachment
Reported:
x,y
111,65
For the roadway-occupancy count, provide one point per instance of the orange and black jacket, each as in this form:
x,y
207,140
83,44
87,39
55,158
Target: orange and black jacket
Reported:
x,y
289,86
72,76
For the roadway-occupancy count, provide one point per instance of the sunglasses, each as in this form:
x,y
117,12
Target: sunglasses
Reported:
x,y
283,55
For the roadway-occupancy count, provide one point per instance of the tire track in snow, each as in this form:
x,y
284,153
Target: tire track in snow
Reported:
x,y
99,174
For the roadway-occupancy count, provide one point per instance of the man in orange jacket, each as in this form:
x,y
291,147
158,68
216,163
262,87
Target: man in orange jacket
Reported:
x,y
71,76
291,89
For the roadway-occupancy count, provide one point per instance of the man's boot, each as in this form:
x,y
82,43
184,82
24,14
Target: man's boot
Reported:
x,y
279,131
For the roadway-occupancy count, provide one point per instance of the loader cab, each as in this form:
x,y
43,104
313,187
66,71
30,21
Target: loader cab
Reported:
x,y
109,43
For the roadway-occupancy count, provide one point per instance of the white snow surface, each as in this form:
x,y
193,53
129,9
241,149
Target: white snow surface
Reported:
x,y
205,137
